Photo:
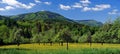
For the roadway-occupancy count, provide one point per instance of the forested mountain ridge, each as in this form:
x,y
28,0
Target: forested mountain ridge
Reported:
x,y
38,15
47,15
90,22
51,27
51,16
3,17
42,26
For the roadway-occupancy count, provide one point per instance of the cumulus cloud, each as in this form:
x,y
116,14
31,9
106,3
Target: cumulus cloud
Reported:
x,y
77,5
97,7
85,6
2,9
37,1
47,3
86,9
85,1
63,7
113,12
13,4
7,8
16,4
101,7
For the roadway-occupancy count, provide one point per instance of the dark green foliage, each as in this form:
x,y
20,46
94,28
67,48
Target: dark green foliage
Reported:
x,y
51,27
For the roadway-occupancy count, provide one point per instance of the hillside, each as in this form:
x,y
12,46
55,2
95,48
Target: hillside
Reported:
x,y
3,17
53,17
38,15
45,26
90,22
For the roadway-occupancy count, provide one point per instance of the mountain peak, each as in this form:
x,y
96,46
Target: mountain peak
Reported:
x,y
39,15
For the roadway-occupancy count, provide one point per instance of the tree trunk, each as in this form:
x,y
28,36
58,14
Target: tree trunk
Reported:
x,y
102,43
67,45
50,43
39,43
61,43
18,44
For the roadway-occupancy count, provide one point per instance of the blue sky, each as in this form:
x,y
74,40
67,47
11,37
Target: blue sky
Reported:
x,y
100,10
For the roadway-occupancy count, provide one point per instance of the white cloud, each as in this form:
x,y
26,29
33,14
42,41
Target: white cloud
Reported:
x,y
37,1
101,7
113,12
86,9
13,4
63,7
30,5
47,3
85,1
97,7
84,5
7,8
2,9
77,5
17,4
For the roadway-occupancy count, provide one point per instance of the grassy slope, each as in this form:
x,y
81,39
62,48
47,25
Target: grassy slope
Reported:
x,y
56,49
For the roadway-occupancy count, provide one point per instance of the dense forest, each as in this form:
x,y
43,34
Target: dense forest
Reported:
x,y
49,27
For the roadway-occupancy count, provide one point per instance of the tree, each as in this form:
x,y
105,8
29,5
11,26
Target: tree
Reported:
x,y
27,34
4,34
37,38
83,38
17,37
66,36
101,37
39,27
89,39
118,36
50,34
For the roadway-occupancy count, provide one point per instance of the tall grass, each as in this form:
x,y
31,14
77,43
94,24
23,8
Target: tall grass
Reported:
x,y
56,49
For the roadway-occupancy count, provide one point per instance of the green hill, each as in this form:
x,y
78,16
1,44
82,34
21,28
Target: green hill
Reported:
x,y
3,17
90,22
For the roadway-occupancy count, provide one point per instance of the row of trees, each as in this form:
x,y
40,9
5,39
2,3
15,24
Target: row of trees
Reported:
x,y
40,31
108,33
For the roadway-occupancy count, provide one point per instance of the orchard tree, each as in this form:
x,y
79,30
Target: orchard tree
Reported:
x,y
119,35
66,36
4,34
37,38
28,34
17,37
89,39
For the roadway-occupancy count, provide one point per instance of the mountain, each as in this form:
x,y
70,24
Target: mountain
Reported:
x,y
47,16
38,15
52,17
90,22
3,17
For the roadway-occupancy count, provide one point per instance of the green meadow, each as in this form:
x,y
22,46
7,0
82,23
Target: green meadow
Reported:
x,y
74,48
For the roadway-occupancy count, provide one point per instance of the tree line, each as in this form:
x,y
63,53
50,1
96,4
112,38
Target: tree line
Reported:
x,y
41,31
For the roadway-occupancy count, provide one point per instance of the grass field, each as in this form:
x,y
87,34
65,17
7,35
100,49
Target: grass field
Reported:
x,y
81,48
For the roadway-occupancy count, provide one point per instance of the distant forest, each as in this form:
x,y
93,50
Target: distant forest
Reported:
x,y
47,27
